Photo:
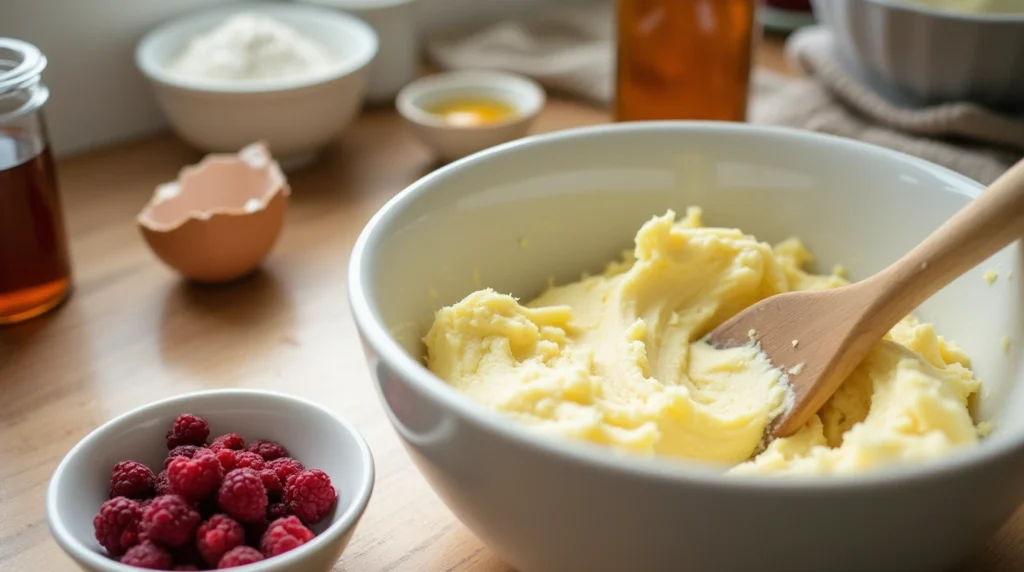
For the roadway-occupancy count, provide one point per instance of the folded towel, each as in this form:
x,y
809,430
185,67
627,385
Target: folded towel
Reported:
x,y
961,136
572,51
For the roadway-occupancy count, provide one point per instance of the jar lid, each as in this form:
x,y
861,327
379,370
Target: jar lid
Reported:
x,y
21,63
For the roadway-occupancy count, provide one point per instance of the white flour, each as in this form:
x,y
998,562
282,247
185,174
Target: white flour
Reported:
x,y
250,46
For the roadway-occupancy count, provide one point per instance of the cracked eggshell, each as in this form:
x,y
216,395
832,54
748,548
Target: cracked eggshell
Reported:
x,y
222,216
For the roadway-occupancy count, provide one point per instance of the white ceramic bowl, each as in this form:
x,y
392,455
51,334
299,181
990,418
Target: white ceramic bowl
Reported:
x,y
456,141
296,117
917,55
578,197
315,436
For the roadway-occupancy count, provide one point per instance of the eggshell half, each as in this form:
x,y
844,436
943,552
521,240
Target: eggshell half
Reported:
x,y
221,217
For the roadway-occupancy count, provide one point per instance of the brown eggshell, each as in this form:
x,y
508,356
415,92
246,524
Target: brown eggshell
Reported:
x,y
222,216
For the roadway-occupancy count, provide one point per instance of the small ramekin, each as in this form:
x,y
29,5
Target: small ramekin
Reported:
x,y
452,142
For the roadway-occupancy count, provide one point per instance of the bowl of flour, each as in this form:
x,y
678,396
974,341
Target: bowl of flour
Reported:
x,y
291,75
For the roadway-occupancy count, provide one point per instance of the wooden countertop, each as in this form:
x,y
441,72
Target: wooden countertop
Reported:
x,y
133,333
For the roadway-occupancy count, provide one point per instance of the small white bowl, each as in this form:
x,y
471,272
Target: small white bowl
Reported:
x,y
452,142
295,116
312,434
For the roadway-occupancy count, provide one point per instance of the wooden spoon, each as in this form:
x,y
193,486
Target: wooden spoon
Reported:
x,y
820,336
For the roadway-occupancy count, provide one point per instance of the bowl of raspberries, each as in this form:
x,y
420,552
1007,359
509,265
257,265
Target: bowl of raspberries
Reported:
x,y
228,479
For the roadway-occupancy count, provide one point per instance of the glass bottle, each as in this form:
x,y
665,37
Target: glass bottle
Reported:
x,y
684,59
35,273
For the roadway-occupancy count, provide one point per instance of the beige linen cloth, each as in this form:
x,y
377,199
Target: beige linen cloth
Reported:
x,y
571,51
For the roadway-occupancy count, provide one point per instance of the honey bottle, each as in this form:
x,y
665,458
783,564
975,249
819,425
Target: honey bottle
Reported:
x,y
684,59
35,271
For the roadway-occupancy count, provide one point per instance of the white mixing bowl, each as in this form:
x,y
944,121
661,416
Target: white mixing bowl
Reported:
x,y
296,117
578,197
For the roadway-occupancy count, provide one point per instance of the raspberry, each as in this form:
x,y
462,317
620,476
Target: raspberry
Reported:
x,y
309,495
271,482
117,525
231,441
187,451
148,555
184,567
226,457
188,430
269,450
169,520
161,487
284,534
276,510
132,480
239,556
217,536
247,460
242,496
285,467
195,478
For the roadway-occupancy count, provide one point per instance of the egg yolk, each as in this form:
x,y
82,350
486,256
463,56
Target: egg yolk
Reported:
x,y
472,112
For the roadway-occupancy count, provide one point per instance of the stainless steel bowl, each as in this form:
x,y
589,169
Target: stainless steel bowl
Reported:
x,y
923,55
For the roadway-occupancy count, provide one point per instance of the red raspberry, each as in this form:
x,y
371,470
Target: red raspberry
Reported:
x,y
160,486
148,555
195,478
284,534
285,467
117,525
226,457
247,460
269,450
242,495
276,510
239,556
231,441
187,451
131,479
217,536
170,520
309,495
188,430
271,482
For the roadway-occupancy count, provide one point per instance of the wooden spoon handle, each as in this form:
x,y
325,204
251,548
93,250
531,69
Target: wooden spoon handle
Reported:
x,y
976,232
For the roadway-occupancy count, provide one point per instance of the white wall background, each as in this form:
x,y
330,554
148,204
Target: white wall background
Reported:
x,y
97,95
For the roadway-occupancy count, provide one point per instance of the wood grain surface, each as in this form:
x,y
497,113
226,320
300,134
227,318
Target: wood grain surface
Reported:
x,y
132,333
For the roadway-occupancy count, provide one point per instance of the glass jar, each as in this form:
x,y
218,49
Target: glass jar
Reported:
x,y
684,59
35,273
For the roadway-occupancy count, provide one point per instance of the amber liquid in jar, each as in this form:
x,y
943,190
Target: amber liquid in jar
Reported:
x,y
684,59
35,274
